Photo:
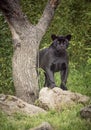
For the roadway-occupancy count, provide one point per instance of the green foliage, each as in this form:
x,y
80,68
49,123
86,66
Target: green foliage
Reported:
x,y
6,81
79,79
68,119
41,78
33,9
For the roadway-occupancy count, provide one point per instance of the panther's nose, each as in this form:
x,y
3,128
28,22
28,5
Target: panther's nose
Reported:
x,y
61,45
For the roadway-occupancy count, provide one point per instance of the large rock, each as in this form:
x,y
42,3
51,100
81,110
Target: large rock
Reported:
x,y
43,126
86,112
56,98
11,104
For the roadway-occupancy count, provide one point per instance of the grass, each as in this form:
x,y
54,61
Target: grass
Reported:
x,y
79,79
66,120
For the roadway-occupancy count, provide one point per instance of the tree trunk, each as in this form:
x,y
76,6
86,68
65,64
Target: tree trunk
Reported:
x,y
26,39
24,66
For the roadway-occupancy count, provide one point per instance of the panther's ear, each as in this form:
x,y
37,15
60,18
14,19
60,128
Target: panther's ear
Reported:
x,y
53,37
68,37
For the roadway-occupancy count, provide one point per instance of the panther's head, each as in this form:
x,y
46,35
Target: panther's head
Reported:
x,y
60,43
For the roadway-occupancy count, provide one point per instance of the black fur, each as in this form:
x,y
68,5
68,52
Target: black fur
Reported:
x,y
54,59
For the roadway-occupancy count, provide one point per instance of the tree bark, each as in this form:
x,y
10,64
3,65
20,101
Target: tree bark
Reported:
x,y
26,39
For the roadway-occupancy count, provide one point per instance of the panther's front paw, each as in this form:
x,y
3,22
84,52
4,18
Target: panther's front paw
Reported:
x,y
63,87
52,86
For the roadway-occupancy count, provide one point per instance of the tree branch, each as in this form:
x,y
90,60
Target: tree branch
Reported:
x,y
47,16
13,13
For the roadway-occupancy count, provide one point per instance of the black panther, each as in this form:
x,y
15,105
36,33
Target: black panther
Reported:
x,y
54,59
